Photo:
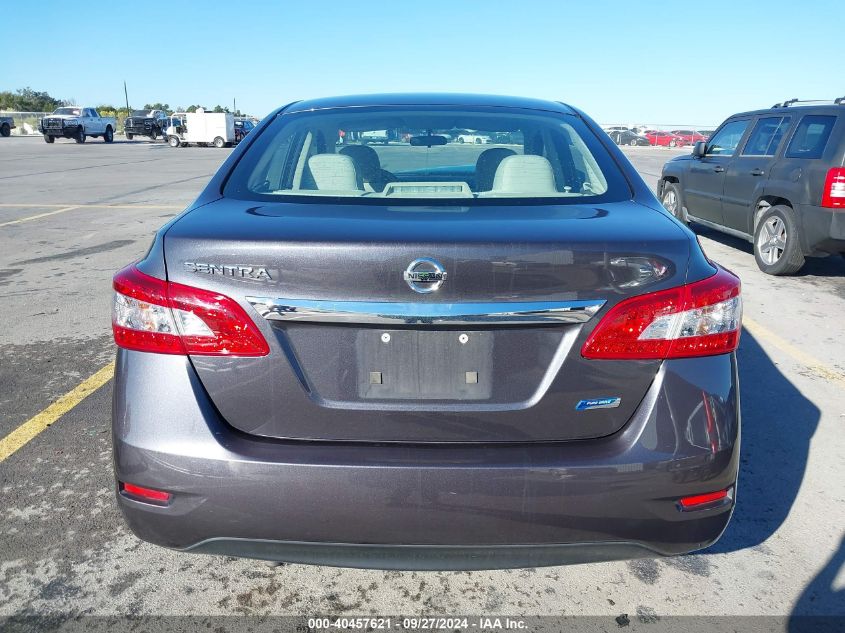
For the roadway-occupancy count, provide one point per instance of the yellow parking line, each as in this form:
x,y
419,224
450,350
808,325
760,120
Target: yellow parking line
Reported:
x,y
9,205
817,367
161,207
32,427
35,217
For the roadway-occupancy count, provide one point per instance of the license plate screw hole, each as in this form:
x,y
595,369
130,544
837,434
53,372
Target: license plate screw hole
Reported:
x,y
385,338
463,338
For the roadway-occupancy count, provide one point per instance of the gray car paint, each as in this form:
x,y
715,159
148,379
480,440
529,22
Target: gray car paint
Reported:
x,y
619,492
307,387
280,457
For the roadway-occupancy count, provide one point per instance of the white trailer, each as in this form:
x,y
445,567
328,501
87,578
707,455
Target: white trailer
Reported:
x,y
203,128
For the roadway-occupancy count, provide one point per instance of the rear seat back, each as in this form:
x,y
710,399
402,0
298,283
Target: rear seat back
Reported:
x,y
334,172
526,174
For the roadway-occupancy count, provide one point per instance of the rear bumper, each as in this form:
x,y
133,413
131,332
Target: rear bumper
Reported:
x,y
427,507
823,229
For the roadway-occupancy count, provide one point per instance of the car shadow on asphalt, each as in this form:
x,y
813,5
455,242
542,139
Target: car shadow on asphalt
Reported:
x,y
831,266
778,422
821,608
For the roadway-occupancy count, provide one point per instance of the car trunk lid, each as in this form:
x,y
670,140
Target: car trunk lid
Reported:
x,y
492,355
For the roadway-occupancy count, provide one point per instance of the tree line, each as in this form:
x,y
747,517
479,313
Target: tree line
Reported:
x,y
29,100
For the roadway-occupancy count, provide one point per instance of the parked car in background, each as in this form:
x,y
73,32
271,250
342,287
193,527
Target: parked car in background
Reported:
x,y
149,123
689,137
7,124
774,177
77,123
616,128
626,137
473,137
706,133
507,138
515,361
663,139
242,128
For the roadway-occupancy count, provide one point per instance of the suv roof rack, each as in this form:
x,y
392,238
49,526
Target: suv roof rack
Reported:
x,y
789,102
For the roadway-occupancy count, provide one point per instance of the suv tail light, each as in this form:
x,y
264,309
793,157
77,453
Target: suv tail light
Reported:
x,y
699,319
833,196
151,315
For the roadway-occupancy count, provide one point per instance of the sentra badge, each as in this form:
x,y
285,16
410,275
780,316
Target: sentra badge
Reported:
x,y
227,270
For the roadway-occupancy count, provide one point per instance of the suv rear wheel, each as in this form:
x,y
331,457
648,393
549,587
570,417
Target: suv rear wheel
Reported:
x,y
671,200
777,243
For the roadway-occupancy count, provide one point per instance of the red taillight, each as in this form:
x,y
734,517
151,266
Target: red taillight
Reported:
x,y
699,319
833,196
151,315
145,494
694,501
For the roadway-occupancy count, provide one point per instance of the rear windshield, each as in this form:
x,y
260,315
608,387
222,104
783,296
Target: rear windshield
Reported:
x,y
392,155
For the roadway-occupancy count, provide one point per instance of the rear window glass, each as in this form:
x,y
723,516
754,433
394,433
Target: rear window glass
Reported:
x,y
396,155
810,136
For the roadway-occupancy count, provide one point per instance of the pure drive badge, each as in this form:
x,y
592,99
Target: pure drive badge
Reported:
x,y
227,270
598,403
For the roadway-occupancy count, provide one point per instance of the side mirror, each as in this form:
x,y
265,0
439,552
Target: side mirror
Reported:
x,y
699,149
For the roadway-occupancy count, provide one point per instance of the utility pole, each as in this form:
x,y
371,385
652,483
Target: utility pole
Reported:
x,y
126,94
234,105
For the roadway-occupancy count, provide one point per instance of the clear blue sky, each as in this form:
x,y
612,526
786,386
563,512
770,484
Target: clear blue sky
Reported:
x,y
621,61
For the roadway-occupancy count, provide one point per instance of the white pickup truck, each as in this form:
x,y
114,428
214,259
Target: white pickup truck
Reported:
x,y
77,123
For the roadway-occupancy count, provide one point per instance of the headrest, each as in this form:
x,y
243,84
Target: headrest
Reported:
x,y
333,172
486,165
365,158
524,174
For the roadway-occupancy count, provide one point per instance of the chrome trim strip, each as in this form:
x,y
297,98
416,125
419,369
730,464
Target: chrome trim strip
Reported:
x,y
385,313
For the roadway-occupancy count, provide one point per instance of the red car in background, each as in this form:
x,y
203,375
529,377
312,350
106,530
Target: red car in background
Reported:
x,y
690,137
664,139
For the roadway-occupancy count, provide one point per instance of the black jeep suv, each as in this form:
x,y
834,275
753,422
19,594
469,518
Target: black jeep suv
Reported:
x,y
774,177
149,123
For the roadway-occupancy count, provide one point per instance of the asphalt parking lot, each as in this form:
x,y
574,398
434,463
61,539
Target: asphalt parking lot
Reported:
x,y
71,215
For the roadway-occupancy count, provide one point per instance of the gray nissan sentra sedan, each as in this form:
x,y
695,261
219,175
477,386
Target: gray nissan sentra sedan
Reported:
x,y
427,354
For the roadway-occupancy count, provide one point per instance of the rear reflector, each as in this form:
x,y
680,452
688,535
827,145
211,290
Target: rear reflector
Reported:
x,y
688,503
833,195
703,318
151,315
145,494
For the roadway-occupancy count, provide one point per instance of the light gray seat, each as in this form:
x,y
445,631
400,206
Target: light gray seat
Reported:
x,y
487,164
333,172
524,174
